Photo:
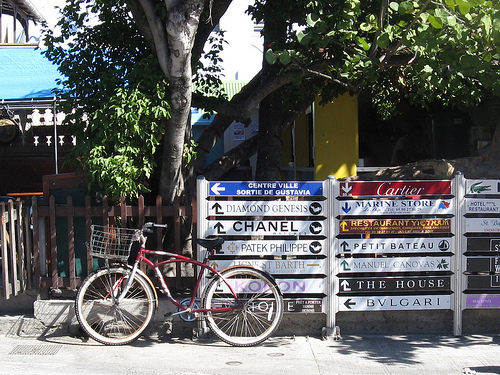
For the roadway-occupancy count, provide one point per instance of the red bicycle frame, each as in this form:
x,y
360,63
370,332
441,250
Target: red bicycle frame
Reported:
x,y
178,258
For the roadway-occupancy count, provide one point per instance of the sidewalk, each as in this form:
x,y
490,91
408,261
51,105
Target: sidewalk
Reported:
x,y
27,347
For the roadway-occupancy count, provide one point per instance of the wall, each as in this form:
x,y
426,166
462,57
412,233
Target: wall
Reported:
x,y
336,138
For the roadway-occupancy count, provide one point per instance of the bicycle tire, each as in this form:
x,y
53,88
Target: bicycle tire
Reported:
x,y
109,322
258,313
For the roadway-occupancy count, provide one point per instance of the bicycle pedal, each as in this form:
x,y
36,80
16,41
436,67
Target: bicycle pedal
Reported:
x,y
168,315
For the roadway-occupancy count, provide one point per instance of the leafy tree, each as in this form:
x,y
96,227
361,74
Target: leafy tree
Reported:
x,y
420,51
114,83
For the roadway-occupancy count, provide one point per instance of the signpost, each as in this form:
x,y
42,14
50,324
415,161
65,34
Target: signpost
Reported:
x,y
380,303
483,264
483,244
279,227
482,225
394,264
265,188
265,227
396,207
277,267
395,188
272,247
266,208
482,301
405,284
483,282
394,226
482,187
395,245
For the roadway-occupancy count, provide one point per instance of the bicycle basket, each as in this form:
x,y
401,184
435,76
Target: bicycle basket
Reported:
x,y
111,242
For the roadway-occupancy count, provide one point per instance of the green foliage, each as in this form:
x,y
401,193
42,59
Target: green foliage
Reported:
x,y
125,134
189,152
418,50
114,94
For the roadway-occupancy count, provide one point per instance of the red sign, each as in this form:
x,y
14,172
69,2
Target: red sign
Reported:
x,y
395,188
390,226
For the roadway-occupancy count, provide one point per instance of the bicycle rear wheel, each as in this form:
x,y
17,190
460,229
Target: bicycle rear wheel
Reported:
x,y
106,320
256,308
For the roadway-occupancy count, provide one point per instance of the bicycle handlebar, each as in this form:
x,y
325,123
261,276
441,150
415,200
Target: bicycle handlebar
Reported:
x,y
153,225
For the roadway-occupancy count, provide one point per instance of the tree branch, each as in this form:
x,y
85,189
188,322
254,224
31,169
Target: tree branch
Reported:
x,y
153,29
394,49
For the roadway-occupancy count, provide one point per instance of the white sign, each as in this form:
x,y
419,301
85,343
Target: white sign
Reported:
x,y
482,206
265,227
482,224
273,247
301,286
287,286
394,245
265,208
419,264
275,266
378,303
395,206
482,186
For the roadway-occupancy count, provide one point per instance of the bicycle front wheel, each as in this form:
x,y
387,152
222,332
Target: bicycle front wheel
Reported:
x,y
251,314
107,320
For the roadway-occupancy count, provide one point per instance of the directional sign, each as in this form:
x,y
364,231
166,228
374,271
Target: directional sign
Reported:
x,y
483,264
482,301
265,227
287,286
485,282
482,206
394,245
309,305
265,208
482,225
272,247
395,188
301,286
394,284
397,264
483,244
266,188
394,226
275,266
482,186
395,207
378,303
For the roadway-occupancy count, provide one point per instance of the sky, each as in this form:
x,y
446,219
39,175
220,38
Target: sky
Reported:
x,y
47,9
242,54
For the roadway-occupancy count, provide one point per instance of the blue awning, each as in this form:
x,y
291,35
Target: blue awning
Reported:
x,y
26,74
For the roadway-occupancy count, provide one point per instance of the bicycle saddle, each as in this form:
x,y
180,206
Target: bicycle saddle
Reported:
x,y
210,243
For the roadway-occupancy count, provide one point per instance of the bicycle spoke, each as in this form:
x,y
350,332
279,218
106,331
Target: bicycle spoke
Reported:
x,y
106,320
256,306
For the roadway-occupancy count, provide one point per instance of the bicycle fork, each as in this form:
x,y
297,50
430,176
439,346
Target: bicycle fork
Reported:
x,y
116,284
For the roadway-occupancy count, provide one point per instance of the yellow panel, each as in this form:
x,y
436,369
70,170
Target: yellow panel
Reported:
x,y
336,137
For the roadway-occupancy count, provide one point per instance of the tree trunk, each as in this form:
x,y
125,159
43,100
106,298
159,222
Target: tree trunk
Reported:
x,y
181,26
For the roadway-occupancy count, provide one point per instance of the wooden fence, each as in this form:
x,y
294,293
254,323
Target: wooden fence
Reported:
x,y
60,233
16,269
43,243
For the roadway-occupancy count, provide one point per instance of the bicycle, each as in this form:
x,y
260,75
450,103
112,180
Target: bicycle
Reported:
x,y
241,305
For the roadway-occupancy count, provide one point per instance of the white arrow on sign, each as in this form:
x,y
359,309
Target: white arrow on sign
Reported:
x,y
216,188
346,188
345,286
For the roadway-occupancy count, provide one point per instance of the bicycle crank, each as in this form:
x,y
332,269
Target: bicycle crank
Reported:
x,y
187,316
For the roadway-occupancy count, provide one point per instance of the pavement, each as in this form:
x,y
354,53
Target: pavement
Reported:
x,y
28,346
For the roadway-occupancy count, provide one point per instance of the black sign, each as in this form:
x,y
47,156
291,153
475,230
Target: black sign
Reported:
x,y
484,282
483,244
303,305
483,264
394,284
